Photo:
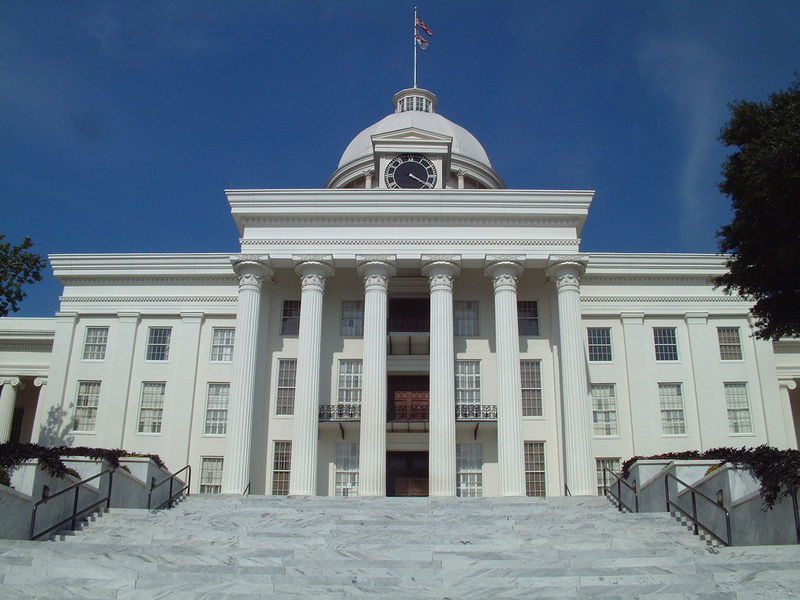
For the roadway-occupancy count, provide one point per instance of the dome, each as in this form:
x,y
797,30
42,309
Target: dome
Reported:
x,y
464,143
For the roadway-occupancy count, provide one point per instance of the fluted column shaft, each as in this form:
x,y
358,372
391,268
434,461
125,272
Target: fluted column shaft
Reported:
x,y
509,392
238,441
8,398
372,449
579,464
442,437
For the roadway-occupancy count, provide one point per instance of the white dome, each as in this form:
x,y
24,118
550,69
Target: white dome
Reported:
x,y
464,143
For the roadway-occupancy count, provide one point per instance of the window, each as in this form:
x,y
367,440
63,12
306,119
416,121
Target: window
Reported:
x,y
469,474
222,345
730,347
217,408
352,317
528,317
350,382
94,345
287,372
599,344
86,406
666,343
290,321
158,343
534,469
281,465
738,404
466,318
670,396
604,409
612,464
468,383
531,376
151,408
210,474
346,470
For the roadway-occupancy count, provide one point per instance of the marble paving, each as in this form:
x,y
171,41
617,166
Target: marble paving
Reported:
x,y
264,548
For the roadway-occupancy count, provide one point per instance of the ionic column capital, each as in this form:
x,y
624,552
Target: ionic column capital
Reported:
x,y
251,271
504,275
789,384
40,381
376,274
441,274
13,381
566,271
313,274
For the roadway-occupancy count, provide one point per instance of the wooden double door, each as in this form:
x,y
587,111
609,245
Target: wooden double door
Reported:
x,y
408,398
406,473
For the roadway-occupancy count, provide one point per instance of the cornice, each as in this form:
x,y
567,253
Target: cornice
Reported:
x,y
95,279
787,346
140,299
408,242
27,346
175,266
661,299
410,219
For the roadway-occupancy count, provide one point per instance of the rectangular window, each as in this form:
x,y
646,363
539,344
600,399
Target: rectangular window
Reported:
x,y
158,343
284,401
531,377
468,383
604,409
222,344
599,344
290,319
94,345
534,469
469,470
151,408
346,469
528,317
466,318
670,396
666,343
738,403
730,346
86,406
350,382
217,408
281,465
612,464
352,317
210,474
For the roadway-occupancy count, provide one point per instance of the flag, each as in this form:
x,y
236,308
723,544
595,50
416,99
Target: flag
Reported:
x,y
424,27
423,43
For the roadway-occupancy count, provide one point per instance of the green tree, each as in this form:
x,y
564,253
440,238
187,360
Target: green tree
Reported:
x,y
18,267
762,178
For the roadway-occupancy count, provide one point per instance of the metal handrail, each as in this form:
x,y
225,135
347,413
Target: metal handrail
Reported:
x,y
619,483
796,514
73,518
172,496
697,524
246,491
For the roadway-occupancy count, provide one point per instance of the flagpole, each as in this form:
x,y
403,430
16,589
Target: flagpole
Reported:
x,y
414,41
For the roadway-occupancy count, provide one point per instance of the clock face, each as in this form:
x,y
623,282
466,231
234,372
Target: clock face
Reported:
x,y
410,171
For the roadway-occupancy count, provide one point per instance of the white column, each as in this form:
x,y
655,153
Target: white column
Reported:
x,y
372,449
442,437
579,463
7,399
236,466
785,386
504,276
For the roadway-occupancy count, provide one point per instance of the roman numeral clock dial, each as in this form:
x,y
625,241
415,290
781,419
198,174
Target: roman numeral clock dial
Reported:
x,y
410,171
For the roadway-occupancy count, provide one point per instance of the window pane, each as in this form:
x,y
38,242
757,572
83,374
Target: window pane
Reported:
x,y
466,317
738,405
350,382
528,317
730,347
158,343
666,344
86,406
468,383
281,465
604,409
211,475
222,345
290,323
672,417
94,347
151,407
284,401
469,470
530,374
217,408
599,343
352,317
612,464
346,469
534,469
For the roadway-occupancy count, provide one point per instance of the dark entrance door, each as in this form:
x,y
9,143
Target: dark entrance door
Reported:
x,y
406,473
408,398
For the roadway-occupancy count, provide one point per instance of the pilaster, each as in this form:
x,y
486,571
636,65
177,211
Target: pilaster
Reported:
x,y
8,397
303,478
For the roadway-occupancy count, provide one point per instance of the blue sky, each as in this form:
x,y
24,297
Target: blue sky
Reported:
x,y
121,123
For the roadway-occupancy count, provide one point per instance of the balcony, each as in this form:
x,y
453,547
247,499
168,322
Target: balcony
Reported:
x,y
407,414
340,412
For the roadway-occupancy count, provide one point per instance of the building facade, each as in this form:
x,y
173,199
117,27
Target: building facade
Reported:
x,y
414,328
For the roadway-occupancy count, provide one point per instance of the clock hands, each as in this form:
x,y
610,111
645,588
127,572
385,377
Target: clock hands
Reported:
x,y
412,176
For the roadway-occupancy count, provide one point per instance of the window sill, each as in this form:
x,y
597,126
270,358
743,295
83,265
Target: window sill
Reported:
x,y
213,435
84,432
606,437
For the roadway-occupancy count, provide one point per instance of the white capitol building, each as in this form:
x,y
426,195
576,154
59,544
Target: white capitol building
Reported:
x,y
414,328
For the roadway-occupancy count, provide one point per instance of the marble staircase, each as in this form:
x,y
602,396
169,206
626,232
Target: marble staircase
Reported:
x,y
255,547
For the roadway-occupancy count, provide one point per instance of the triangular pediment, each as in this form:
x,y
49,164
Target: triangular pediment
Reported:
x,y
412,139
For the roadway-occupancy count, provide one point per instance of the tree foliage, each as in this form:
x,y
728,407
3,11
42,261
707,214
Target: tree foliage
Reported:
x,y
762,178
18,267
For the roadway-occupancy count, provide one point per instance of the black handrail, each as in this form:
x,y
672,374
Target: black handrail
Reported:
x,y
73,518
697,524
796,514
172,496
619,483
246,491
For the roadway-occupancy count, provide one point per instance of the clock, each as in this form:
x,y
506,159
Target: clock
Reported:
x,y
410,171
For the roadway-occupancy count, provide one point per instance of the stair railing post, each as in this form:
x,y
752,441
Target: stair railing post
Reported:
x,y
666,490
170,492
635,496
796,514
619,495
75,508
694,512
110,482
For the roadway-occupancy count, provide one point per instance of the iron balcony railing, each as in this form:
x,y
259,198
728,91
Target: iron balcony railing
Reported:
x,y
408,325
352,412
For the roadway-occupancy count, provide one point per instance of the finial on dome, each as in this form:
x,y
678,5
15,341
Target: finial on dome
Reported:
x,y
415,99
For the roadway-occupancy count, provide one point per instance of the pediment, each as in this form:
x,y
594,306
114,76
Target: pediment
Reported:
x,y
412,139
